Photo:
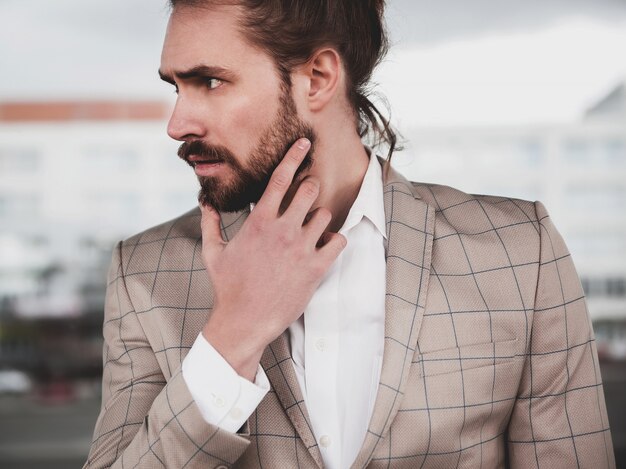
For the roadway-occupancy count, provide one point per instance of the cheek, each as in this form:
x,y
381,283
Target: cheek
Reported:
x,y
247,119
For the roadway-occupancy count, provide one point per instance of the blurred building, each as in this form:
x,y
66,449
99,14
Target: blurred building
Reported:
x,y
77,176
74,178
577,170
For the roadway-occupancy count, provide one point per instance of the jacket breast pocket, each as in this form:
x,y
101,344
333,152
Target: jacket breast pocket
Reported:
x,y
467,390
461,397
467,357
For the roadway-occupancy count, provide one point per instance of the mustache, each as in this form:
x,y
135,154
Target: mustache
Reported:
x,y
209,152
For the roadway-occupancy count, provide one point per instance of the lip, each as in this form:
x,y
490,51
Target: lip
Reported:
x,y
199,159
207,169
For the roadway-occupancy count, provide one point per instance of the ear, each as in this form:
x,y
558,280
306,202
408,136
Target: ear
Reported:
x,y
324,73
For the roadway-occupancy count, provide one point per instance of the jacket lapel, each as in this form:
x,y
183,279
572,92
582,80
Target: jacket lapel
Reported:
x,y
277,363
410,226
278,366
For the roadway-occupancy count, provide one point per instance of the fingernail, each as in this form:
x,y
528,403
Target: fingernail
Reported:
x,y
304,143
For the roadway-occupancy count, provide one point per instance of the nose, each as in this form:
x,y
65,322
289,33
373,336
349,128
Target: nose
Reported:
x,y
185,122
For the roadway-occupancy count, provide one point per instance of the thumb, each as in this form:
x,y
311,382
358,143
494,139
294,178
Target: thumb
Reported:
x,y
211,233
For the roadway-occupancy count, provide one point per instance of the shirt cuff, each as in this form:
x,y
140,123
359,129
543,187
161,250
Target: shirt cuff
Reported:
x,y
224,398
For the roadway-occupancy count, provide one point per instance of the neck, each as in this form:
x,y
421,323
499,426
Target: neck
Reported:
x,y
339,165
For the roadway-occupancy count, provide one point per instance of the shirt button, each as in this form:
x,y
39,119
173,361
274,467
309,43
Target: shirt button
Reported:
x,y
218,401
320,344
236,413
325,441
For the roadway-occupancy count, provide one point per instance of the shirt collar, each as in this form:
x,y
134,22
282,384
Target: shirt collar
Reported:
x,y
369,202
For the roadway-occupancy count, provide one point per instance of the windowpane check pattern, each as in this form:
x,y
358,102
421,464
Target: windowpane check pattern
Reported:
x,y
489,357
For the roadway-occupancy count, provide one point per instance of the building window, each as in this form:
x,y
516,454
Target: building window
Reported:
x,y
616,287
604,246
115,206
16,159
531,153
614,152
578,152
603,199
110,158
18,205
611,287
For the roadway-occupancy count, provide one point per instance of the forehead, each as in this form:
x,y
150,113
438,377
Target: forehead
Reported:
x,y
208,36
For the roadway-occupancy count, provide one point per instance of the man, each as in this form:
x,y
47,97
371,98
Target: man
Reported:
x,y
318,309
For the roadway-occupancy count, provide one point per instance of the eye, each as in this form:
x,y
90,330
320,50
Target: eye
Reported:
x,y
213,83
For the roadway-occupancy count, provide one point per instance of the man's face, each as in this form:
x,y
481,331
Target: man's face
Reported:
x,y
234,115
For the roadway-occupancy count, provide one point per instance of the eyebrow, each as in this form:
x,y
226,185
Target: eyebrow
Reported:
x,y
199,71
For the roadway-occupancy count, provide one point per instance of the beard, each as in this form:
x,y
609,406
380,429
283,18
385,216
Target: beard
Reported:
x,y
250,180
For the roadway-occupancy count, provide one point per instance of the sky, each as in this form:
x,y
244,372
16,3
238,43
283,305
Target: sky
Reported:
x,y
452,62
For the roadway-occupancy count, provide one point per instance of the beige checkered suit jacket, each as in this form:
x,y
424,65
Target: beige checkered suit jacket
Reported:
x,y
489,357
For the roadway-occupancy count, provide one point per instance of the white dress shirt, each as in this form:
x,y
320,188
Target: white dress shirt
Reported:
x,y
338,360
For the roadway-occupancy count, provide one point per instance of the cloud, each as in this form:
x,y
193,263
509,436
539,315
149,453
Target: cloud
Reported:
x,y
546,76
70,48
435,21
87,49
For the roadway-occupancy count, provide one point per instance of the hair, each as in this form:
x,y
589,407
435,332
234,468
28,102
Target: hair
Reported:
x,y
291,31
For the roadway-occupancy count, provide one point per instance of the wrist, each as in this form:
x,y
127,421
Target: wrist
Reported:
x,y
240,353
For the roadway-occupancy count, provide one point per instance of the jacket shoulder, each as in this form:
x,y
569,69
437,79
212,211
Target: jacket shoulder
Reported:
x,y
471,213
171,242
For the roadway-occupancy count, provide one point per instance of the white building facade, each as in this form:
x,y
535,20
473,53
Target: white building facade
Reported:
x,y
577,170
92,173
74,178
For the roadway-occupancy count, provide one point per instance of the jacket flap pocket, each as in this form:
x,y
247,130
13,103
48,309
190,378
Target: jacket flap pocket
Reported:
x,y
467,357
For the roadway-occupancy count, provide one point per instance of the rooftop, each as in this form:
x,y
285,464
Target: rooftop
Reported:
x,y
59,111
613,104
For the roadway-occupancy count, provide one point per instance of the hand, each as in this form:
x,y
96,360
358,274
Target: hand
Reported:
x,y
266,275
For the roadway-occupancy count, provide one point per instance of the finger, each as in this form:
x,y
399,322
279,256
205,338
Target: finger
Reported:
x,y
305,196
316,222
210,226
331,246
282,177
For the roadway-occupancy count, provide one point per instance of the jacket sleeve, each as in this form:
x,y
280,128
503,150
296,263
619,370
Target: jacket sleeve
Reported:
x,y
144,421
559,419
